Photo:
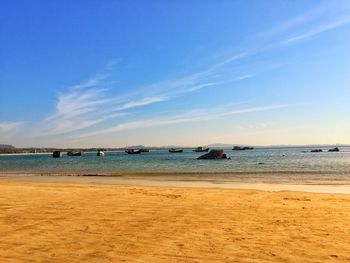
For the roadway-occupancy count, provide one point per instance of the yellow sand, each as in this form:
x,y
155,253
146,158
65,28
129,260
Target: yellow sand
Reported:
x,y
42,222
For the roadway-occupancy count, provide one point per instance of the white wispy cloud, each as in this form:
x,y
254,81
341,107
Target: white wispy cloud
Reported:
x,y
9,128
317,30
87,104
76,109
142,102
299,20
247,76
191,116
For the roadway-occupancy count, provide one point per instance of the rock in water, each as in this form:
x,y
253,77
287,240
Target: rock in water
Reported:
x,y
214,154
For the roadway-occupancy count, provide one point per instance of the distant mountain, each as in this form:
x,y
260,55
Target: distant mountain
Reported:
x,y
135,147
220,145
6,146
172,146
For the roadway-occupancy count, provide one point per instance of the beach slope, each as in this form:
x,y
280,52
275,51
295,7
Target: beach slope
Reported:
x,y
52,222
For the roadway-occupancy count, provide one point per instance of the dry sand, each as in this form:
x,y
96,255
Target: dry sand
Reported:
x,y
53,222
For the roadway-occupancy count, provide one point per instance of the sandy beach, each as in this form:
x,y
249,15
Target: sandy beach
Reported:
x,y
60,222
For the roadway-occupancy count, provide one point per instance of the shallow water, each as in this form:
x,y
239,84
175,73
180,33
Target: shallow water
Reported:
x,y
287,162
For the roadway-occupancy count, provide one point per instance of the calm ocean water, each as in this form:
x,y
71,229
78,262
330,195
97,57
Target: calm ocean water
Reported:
x,y
288,161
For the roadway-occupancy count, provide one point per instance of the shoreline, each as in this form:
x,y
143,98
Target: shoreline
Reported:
x,y
19,154
166,181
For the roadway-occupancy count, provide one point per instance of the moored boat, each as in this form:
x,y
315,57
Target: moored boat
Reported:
x,y
238,148
336,149
175,150
74,153
133,151
100,153
201,149
57,154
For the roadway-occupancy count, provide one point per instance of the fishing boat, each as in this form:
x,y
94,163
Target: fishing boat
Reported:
x,y
238,148
201,149
336,149
133,151
74,153
100,153
175,150
57,154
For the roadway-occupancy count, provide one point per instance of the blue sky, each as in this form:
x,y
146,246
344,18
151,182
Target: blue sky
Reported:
x,y
117,73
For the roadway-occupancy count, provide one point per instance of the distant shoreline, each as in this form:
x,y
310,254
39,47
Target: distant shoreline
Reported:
x,y
19,154
49,150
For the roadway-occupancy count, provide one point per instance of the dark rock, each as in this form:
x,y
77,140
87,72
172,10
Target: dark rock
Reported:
x,y
214,154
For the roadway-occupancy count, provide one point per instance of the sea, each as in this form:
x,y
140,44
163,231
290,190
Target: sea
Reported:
x,y
289,163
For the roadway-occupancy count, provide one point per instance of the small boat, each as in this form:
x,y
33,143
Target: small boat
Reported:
x,y
175,150
316,151
144,150
336,149
237,148
201,149
100,153
57,154
133,151
74,153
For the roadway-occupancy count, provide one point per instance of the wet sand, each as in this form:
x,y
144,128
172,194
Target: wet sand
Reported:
x,y
89,222
187,181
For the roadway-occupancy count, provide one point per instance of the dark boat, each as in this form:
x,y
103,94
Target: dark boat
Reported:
x,y
336,149
201,149
316,151
56,154
74,153
174,150
133,151
238,148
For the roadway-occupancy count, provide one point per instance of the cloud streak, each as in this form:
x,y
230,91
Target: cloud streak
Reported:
x,y
142,102
317,30
9,128
89,103
191,116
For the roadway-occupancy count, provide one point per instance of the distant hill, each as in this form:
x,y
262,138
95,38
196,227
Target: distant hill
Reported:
x,y
220,145
135,147
7,146
174,146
